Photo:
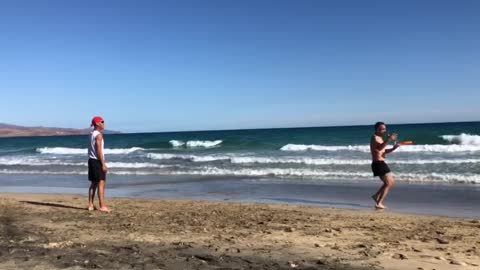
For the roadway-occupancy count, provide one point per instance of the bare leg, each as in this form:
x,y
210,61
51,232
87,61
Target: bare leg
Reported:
x,y
380,190
91,195
376,196
101,196
388,183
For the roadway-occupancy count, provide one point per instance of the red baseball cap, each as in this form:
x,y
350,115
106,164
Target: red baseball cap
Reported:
x,y
96,119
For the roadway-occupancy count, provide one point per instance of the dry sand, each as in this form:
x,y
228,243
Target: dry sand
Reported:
x,y
55,232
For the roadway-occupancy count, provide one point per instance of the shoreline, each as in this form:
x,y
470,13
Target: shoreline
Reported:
x,y
424,199
45,231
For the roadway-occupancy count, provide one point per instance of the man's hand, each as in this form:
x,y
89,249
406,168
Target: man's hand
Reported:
x,y
392,137
105,168
398,144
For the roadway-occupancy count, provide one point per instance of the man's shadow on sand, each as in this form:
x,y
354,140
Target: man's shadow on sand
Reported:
x,y
53,205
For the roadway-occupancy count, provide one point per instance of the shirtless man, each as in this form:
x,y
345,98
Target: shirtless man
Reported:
x,y
379,167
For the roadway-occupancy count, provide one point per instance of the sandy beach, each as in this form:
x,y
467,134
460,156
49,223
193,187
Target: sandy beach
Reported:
x,y
55,232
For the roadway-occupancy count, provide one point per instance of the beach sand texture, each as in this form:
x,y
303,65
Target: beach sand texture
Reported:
x,y
55,232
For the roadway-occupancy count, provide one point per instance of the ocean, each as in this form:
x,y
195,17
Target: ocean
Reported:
x,y
447,153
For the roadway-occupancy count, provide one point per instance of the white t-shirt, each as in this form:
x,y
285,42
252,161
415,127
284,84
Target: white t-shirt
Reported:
x,y
92,149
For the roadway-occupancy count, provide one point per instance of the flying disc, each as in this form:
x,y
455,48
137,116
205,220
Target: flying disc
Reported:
x,y
406,143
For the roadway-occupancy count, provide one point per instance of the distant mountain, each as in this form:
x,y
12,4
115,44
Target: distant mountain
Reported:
x,y
8,130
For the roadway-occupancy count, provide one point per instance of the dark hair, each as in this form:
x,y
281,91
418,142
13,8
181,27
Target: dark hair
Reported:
x,y
378,124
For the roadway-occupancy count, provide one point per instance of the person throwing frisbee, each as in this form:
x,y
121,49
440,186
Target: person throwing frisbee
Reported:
x,y
379,167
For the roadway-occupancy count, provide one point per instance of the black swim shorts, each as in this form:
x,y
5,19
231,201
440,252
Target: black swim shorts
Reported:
x,y
95,170
380,168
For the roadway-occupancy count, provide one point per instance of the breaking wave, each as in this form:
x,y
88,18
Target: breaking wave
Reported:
x,y
84,151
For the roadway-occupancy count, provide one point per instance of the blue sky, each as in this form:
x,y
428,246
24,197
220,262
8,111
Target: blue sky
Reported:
x,y
200,65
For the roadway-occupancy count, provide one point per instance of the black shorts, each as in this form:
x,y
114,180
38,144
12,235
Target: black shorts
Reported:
x,y
95,171
380,168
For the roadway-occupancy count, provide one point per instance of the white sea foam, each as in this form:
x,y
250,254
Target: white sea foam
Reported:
x,y
176,143
206,144
332,161
194,158
440,148
312,174
313,147
84,151
463,139
301,160
135,165
333,175
195,144
29,161
70,172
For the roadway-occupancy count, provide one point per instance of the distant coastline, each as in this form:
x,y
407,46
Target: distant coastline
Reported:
x,y
8,130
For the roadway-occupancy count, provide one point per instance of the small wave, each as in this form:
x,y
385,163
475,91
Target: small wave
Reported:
x,y
135,165
70,172
313,147
322,161
84,151
34,162
176,143
195,144
192,158
298,160
334,175
311,174
27,161
463,139
440,148
206,144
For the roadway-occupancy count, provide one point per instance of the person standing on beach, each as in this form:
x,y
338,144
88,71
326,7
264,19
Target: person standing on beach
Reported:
x,y
379,167
97,168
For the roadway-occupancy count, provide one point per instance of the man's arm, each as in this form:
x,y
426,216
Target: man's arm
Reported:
x,y
379,146
98,145
388,151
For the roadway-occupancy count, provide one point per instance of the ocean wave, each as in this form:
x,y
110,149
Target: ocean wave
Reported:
x,y
84,151
439,148
334,175
313,147
323,161
176,143
195,144
43,172
32,161
463,139
309,174
136,165
28,161
315,174
301,160
193,158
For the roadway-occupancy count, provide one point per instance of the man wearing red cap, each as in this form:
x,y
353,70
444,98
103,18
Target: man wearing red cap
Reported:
x,y
97,168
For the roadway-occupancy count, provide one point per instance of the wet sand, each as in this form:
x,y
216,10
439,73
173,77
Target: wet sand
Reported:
x,y
56,232
459,200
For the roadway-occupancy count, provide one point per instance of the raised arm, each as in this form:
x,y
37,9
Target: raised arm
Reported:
x,y
378,145
388,151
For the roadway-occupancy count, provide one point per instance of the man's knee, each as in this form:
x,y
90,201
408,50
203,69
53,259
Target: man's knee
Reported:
x,y
390,181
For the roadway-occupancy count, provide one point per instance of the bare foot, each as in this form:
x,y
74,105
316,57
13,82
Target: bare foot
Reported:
x,y
91,208
380,206
104,209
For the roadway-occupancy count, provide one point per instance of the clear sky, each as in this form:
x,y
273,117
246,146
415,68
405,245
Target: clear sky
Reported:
x,y
200,65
